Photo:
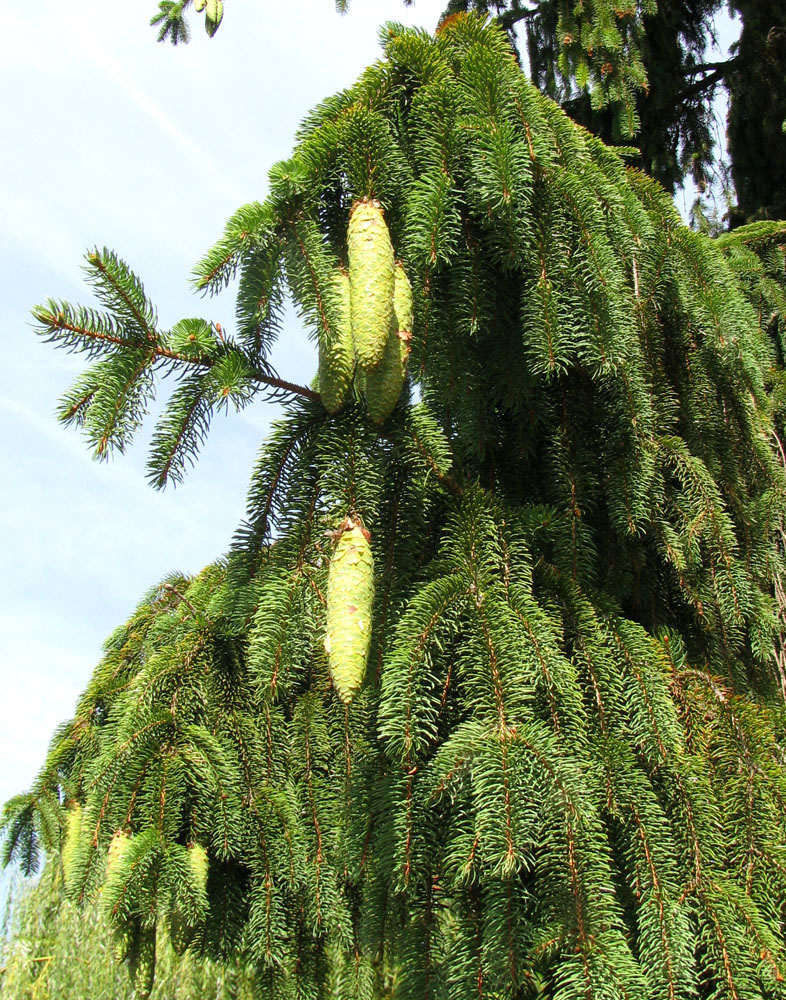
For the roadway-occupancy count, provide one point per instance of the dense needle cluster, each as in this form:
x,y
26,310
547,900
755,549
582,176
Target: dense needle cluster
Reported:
x,y
563,775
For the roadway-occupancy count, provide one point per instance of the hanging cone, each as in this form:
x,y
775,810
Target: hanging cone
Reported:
x,y
403,308
117,848
384,383
350,599
198,862
142,963
214,12
181,932
372,280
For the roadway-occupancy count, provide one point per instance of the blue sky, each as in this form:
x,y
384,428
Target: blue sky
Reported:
x,y
111,139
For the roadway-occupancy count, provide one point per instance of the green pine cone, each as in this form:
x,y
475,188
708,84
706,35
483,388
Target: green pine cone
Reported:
x,y
124,937
117,848
200,5
142,965
71,844
337,355
372,280
385,382
198,863
181,933
350,598
214,12
403,308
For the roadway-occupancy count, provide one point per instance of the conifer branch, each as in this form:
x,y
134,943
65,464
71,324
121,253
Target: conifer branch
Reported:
x,y
291,387
74,410
724,64
110,278
57,321
509,18
181,597
442,477
711,80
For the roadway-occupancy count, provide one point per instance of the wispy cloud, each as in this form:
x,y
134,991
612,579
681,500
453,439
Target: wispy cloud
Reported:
x,y
153,110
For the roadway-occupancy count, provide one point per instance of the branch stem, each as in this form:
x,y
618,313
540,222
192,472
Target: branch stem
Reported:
x,y
59,322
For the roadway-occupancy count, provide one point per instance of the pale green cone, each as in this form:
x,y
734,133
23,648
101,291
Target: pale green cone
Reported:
x,y
350,599
384,383
198,863
336,350
200,5
214,12
70,850
402,300
372,280
181,933
117,849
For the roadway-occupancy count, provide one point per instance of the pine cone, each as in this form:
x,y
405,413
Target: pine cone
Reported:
x,y
385,382
198,862
117,848
350,599
142,963
372,280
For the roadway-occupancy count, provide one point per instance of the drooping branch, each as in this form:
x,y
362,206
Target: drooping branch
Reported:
x,y
509,18
719,72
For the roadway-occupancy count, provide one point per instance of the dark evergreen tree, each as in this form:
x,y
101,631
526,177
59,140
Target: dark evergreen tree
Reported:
x,y
640,69
562,774
757,114
669,114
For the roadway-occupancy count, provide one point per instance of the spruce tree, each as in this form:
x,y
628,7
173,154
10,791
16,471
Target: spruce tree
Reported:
x,y
549,762
757,113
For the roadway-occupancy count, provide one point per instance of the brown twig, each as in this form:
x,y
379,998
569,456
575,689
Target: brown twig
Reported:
x,y
59,322
173,590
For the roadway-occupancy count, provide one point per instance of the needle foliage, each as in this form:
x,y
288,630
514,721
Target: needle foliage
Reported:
x,y
563,774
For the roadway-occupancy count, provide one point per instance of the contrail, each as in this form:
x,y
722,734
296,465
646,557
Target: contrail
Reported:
x,y
95,50
150,108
